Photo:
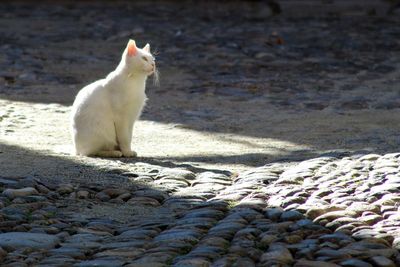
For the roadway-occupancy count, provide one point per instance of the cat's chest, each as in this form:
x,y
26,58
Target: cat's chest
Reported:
x,y
128,100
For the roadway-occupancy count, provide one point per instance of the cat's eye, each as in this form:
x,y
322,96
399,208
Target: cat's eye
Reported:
x,y
145,59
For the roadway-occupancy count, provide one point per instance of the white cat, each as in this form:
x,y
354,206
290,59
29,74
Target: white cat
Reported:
x,y
104,111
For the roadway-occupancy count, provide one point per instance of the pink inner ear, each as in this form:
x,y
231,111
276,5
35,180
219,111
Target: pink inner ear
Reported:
x,y
132,50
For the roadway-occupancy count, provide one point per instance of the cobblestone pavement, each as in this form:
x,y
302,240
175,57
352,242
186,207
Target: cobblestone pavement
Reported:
x,y
326,211
300,112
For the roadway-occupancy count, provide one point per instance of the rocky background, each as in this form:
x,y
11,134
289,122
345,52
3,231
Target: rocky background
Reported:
x,y
272,139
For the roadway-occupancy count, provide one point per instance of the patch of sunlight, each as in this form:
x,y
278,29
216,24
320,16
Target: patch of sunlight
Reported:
x,y
45,128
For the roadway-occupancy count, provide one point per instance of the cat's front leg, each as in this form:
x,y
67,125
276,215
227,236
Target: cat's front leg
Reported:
x,y
124,137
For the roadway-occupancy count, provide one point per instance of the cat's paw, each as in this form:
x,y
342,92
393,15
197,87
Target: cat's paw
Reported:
x,y
129,154
109,154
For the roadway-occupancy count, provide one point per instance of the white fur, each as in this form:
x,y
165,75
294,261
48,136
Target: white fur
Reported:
x,y
104,112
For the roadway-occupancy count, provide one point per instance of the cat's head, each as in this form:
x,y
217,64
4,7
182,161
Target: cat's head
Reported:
x,y
139,59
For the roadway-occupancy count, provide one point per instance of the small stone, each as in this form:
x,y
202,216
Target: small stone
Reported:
x,y
195,262
99,262
385,188
155,257
292,239
146,201
330,254
396,243
212,178
308,263
314,212
125,197
205,213
336,238
3,253
307,253
304,223
371,219
160,196
364,233
360,207
65,189
57,260
190,236
355,263
136,234
273,213
80,230
8,182
82,194
179,174
322,192
381,261
355,104
127,253
70,252
370,157
13,193
42,189
28,240
291,215
103,196
277,254
84,237
226,230
264,55
335,214
27,182
268,239
145,264
115,192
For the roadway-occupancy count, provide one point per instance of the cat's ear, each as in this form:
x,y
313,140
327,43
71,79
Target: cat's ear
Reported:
x,y
132,49
147,48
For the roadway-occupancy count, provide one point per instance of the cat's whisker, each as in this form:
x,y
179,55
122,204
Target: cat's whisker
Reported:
x,y
155,52
156,78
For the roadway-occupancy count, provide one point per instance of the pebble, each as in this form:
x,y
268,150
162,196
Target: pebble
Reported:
x,y
332,215
274,213
355,263
64,189
127,253
382,261
42,189
13,193
99,262
114,192
3,253
179,174
276,254
15,240
309,263
291,215
103,196
146,201
75,253
82,194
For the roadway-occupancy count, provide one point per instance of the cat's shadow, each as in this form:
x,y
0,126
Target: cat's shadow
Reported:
x,y
169,164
